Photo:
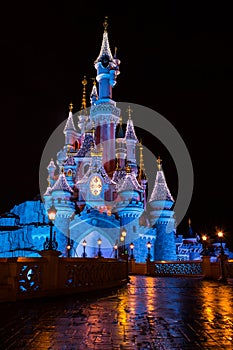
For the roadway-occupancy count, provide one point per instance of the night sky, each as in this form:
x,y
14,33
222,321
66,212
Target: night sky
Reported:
x,y
175,59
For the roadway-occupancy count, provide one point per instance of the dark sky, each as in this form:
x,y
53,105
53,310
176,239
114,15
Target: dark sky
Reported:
x,y
176,59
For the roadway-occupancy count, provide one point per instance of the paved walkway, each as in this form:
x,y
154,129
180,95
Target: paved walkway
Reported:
x,y
150,313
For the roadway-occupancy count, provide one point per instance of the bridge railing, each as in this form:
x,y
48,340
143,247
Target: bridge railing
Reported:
x,y
51,275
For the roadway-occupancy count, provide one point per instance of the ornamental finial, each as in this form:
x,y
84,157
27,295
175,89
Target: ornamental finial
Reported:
x,y
71,106
129,110
84,82
105,24
159,162
127,168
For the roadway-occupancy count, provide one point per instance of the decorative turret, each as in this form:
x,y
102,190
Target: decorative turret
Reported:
x,y
161,197
104,112
51,170
107,68
94,94
162,217
128,204
70,130
131,141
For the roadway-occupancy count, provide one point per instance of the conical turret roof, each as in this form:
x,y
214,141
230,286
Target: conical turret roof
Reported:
x,y
161,192
70,123
105,47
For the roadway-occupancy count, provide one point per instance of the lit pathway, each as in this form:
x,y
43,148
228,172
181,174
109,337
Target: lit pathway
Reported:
x,y
150,313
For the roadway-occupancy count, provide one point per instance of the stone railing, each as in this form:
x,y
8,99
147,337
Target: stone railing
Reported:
x,y
222,269
51,275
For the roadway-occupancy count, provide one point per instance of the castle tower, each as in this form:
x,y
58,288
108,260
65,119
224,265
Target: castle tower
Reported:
x,y
104,113
131,141
162,218
129,205
70,130
59,195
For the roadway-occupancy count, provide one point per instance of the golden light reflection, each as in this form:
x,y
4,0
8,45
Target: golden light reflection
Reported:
x,y
218,308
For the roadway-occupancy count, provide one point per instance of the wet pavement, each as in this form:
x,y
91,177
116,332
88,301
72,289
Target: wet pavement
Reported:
x,y
148,313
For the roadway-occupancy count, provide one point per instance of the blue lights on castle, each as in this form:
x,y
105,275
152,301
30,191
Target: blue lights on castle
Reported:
x,y
98,189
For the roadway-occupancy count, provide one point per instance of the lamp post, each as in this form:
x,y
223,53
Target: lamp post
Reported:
x,y
99,251
148,249
122,240
204,239
131,250
148,258
51,243
123,234
68,247
115,250
222,258
84,248
220,235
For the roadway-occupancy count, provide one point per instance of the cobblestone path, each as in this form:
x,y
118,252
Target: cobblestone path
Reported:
x,y
149,313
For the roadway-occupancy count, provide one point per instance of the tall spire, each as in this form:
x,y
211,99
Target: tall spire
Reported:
x,y
141,175
70,123
105,47
84,82
130,132
94,93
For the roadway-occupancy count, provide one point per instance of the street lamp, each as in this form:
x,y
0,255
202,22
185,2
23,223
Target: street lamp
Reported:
x,y
115,250
148,248
99,244
123,234
84,248
122,239
220,235
131,250
223,258
68,247
51,243
204,239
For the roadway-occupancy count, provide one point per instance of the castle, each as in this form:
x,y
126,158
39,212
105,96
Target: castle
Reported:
x,y
98,189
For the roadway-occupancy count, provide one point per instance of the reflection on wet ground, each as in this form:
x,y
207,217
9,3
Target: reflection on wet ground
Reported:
x,y
149,313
